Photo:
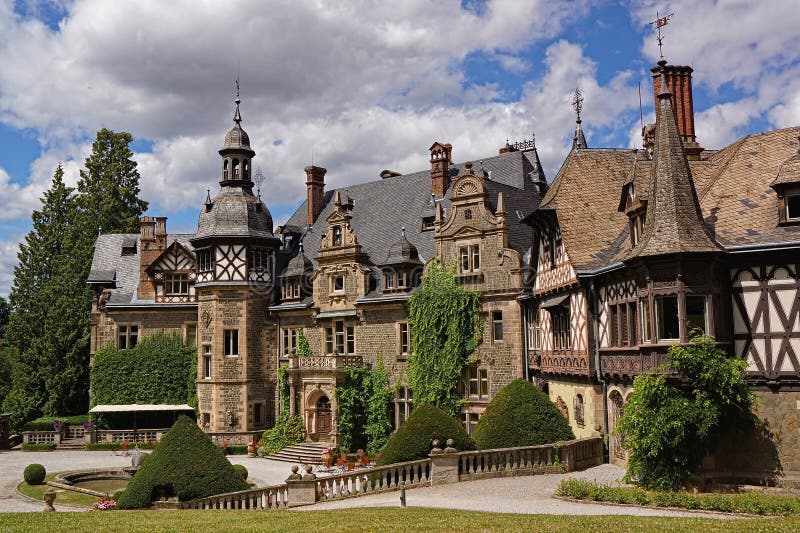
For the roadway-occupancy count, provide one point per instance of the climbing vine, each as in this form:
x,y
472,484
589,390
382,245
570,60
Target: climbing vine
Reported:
x,y
445,330
378,426
288,429
303,348
363,400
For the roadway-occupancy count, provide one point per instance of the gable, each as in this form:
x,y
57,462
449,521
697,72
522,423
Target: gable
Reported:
x,y
175,258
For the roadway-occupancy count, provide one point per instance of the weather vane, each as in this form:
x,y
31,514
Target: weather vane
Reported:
x,y
659,23
258,177
577,103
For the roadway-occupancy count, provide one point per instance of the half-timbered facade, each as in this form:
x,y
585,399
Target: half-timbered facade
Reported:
x,y
636,250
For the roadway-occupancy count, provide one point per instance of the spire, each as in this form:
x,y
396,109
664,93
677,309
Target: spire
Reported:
x,y
674,219
579,139
237,117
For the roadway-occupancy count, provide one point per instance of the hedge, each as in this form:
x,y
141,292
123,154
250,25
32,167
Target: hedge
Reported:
x,y
157,370
38,447
187,464
34,474
45,423
748,503
521,415
413,438
236,449
242,471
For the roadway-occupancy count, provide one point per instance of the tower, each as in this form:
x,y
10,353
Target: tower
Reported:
x,y
235,248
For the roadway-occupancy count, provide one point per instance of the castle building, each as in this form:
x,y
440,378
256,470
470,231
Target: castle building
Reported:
x,y
637,250
584,283
340,270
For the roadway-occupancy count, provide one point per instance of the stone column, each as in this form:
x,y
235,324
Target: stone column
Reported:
x,y
444,463
302,490
292,394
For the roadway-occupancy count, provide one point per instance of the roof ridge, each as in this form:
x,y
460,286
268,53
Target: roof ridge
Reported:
x,y
739,143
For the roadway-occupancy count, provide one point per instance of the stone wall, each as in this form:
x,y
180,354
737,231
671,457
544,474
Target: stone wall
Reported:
x,y
592,405
106,322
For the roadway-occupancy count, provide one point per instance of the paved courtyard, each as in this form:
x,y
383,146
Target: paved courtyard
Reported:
x,y
529,495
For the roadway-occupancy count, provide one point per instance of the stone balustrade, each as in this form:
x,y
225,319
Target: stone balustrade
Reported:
x,y
41,437
129,435
273,497
329,361
370,480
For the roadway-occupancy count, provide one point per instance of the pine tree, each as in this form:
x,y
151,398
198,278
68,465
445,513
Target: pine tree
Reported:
x,y
5,368
28,342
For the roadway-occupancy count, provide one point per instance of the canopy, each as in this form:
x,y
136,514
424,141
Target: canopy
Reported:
x,y
137,407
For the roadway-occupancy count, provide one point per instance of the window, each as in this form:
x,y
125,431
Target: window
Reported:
x,y
258,260
696,316
207,362
497,326
402,406
389,280
191,335
667,318
555,242
231,344
127,336
637,227
258,414
644,308
793,206
177,284
337,283
470,258
577,409
470,422
337,236
289,341
340,338
405,339
291,289
205,419
427,223
561,332
534,329
476,383
204,261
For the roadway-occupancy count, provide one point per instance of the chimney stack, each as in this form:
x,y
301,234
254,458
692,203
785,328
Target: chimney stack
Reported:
x,y
153,237
161,232
315,185
147,229
440,168
679,83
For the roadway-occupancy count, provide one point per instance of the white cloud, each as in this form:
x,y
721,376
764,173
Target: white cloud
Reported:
x,y
8,260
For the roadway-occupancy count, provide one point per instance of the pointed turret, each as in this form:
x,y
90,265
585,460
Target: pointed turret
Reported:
x,y
578,139
674,219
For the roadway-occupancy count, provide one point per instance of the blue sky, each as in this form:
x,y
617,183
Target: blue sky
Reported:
x,y
362,86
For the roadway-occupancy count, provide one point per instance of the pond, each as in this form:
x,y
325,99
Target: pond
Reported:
x,y
107,486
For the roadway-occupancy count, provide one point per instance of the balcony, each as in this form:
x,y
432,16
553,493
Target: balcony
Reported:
x,y
325,362
629,363
560,362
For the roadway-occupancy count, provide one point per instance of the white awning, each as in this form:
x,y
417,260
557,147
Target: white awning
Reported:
x,y
138,408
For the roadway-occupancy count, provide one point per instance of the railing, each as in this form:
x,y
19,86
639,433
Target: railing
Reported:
x,y
75,432
40,437
274,497
329,361
130,435
371,480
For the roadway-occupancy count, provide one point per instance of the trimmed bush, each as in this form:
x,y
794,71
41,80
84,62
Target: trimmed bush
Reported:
x,y
521,415
38,447
413,438
34,474
45,423
748,503
236,449
242,471
186,464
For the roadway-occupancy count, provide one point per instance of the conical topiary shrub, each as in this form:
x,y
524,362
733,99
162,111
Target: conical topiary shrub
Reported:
x,y
521,415
412,440
186,464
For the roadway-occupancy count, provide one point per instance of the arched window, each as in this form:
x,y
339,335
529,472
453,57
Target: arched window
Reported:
x,y
246,170
236,169
225,170
577,409
617,408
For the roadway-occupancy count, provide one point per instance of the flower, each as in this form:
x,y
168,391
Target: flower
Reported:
x,y
104,505
252,443
58,425
87,425
326,450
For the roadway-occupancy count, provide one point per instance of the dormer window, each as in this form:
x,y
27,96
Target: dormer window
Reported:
x,y
637,227
337,236
793,205
389,280
428,223
177,285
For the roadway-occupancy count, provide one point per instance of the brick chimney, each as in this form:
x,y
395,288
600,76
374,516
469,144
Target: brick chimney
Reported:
x,y
440,168
679,83
153,237
315,185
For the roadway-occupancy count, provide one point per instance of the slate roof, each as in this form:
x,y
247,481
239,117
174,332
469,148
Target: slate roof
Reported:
x,y
235,212
674,220
121,272
382,208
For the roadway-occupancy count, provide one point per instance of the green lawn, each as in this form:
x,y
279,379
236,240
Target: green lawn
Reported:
x,y
64,497
367,520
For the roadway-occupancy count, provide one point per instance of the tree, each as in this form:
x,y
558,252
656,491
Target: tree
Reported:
x,y
29,335
445,330
5,311
675,415
5,367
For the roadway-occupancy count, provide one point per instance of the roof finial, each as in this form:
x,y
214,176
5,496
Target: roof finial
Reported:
x,y
659,23
403,232
237,117
577,104
301,246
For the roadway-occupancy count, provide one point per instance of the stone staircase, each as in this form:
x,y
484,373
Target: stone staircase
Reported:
x,y
72,444
307,453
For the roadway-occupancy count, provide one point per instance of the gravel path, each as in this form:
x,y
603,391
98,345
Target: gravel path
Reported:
x,y
525,495
528,495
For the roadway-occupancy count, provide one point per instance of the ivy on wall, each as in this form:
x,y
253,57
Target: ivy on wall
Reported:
x,y
303,348
159,369
288,429
363,399
445,330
